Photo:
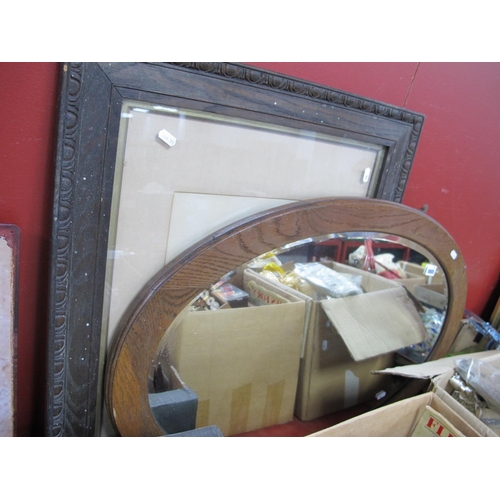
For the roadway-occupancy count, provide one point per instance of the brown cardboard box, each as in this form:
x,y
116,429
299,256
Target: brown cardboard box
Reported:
x,y
439,373
414,275
432,369
410,281
242,363
330,379
488,416
432,295
468,340
263,292
413,270
400,419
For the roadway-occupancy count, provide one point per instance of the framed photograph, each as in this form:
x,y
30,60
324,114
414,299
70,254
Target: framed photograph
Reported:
x,y
153,157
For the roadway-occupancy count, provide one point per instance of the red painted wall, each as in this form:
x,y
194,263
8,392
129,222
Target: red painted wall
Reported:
x,y
457,166
28,94
456,172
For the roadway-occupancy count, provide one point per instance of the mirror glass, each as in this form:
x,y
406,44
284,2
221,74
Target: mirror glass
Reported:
x,y
294,335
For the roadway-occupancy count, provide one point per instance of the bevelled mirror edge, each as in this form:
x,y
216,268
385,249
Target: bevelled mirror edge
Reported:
x,y
131,411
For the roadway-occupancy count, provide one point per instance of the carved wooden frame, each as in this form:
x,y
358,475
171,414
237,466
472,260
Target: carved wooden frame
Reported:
x,y
89,113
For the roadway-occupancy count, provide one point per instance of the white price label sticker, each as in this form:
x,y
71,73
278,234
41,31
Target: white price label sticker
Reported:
x,y
430,270
167,137
366,175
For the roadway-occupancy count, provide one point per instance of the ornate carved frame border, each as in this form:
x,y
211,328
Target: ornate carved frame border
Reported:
x,y
90,103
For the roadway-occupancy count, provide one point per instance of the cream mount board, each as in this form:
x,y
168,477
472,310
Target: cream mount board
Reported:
x,y
183,175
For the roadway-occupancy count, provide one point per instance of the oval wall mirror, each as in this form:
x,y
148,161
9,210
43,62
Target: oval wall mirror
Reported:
x,y
285,315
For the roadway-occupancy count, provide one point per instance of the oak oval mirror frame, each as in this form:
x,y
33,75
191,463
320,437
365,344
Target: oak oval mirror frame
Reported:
x,y
166,295
93,100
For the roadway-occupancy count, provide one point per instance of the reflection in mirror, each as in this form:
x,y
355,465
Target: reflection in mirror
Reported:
x,y
291,338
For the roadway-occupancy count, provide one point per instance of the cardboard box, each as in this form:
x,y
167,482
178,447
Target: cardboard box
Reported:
x,y
400,419
330,379
415,275
468,340
489,415
242,363
263,292
413,270
410,281
432,295
430,370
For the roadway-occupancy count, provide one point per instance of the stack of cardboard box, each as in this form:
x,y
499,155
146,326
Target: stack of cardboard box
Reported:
x,y
404,418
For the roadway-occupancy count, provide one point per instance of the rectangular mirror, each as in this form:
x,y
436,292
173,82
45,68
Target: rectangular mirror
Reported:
x,y
153,157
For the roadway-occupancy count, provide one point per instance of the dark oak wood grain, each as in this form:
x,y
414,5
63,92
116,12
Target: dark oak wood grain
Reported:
x,y
159,303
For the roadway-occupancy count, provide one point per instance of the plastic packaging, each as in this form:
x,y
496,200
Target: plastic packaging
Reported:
x,y
483,377
231,295
205,302
484,328
433,322
266,259
489,417
329,283
383,264
274,268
